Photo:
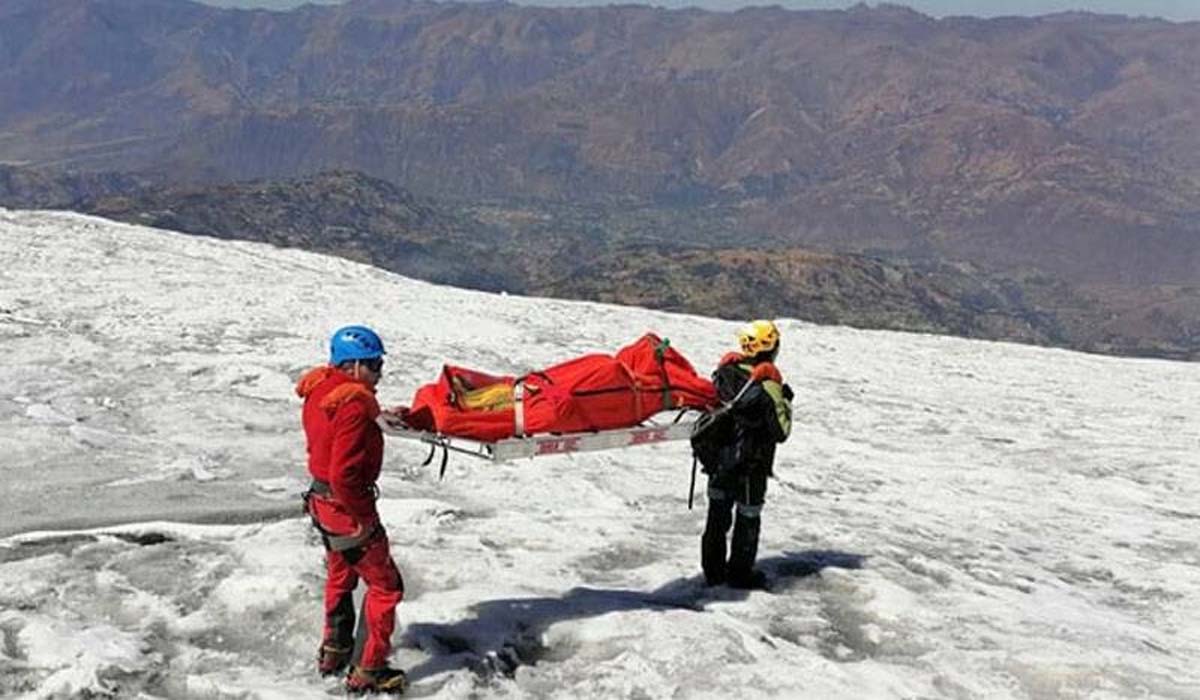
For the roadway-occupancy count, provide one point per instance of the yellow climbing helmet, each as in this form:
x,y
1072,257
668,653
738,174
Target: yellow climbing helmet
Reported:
x,y
758,336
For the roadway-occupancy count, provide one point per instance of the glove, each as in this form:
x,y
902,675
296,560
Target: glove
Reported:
x,y
766,370
396,416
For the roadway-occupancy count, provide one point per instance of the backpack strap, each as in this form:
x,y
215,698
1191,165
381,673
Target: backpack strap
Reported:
x,y
726,405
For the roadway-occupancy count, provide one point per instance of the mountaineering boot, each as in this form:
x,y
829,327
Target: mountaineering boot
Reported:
x,y
755,580
376,680
332,660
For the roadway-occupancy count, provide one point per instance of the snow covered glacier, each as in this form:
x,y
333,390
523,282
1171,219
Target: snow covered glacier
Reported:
x,y
952,518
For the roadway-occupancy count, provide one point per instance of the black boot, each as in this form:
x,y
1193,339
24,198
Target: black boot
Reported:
x,y
744,550
753,581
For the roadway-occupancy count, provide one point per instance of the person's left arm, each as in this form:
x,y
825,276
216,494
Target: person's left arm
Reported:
x,y
771,399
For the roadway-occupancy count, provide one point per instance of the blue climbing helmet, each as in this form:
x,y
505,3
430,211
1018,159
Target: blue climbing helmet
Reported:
x,y
354,343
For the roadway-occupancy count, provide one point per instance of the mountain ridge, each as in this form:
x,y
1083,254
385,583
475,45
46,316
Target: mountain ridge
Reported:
x,y
592,254
1057,151
1007,142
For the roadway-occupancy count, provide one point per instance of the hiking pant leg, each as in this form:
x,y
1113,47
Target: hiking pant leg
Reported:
x,y
716,529
746,526
385,589
340,581
744,548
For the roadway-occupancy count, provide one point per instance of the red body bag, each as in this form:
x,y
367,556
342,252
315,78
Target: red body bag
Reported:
x,y
593,392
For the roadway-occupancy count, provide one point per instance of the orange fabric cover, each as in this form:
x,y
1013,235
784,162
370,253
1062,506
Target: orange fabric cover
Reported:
x,y
593,392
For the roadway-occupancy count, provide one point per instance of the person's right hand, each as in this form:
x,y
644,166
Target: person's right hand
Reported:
x,y
396,415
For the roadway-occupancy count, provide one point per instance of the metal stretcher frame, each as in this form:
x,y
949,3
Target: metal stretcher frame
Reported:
x,y
509,449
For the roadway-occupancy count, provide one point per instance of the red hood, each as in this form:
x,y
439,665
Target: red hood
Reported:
x,y
345,389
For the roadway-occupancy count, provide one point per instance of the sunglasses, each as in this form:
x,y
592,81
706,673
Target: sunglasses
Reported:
x,y
375,364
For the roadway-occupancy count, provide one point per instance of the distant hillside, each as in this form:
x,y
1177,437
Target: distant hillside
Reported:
x,y
29,188
342,213
954,299
605,255
1066,143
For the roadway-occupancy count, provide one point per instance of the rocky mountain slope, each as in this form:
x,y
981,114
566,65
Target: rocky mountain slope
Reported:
x,y
1057,153
343,213
587,253
1066,142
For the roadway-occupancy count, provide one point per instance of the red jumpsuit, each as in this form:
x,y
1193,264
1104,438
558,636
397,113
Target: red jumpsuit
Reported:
x,y
345,454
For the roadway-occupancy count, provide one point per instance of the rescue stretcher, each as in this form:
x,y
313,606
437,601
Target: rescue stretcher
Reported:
x,y
638,396
651,432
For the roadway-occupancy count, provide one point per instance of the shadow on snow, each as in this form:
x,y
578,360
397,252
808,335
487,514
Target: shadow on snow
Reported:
x,y
507,633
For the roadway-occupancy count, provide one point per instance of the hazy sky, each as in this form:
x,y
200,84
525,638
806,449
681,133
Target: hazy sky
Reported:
x,y
1179,10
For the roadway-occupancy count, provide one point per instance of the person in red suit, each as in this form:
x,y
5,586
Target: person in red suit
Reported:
x,y
345,453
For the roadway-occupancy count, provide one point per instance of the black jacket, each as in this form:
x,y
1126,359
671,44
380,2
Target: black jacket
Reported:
x,y
762,418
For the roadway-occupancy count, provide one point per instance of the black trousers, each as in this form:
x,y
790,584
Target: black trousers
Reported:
x,y
733,500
